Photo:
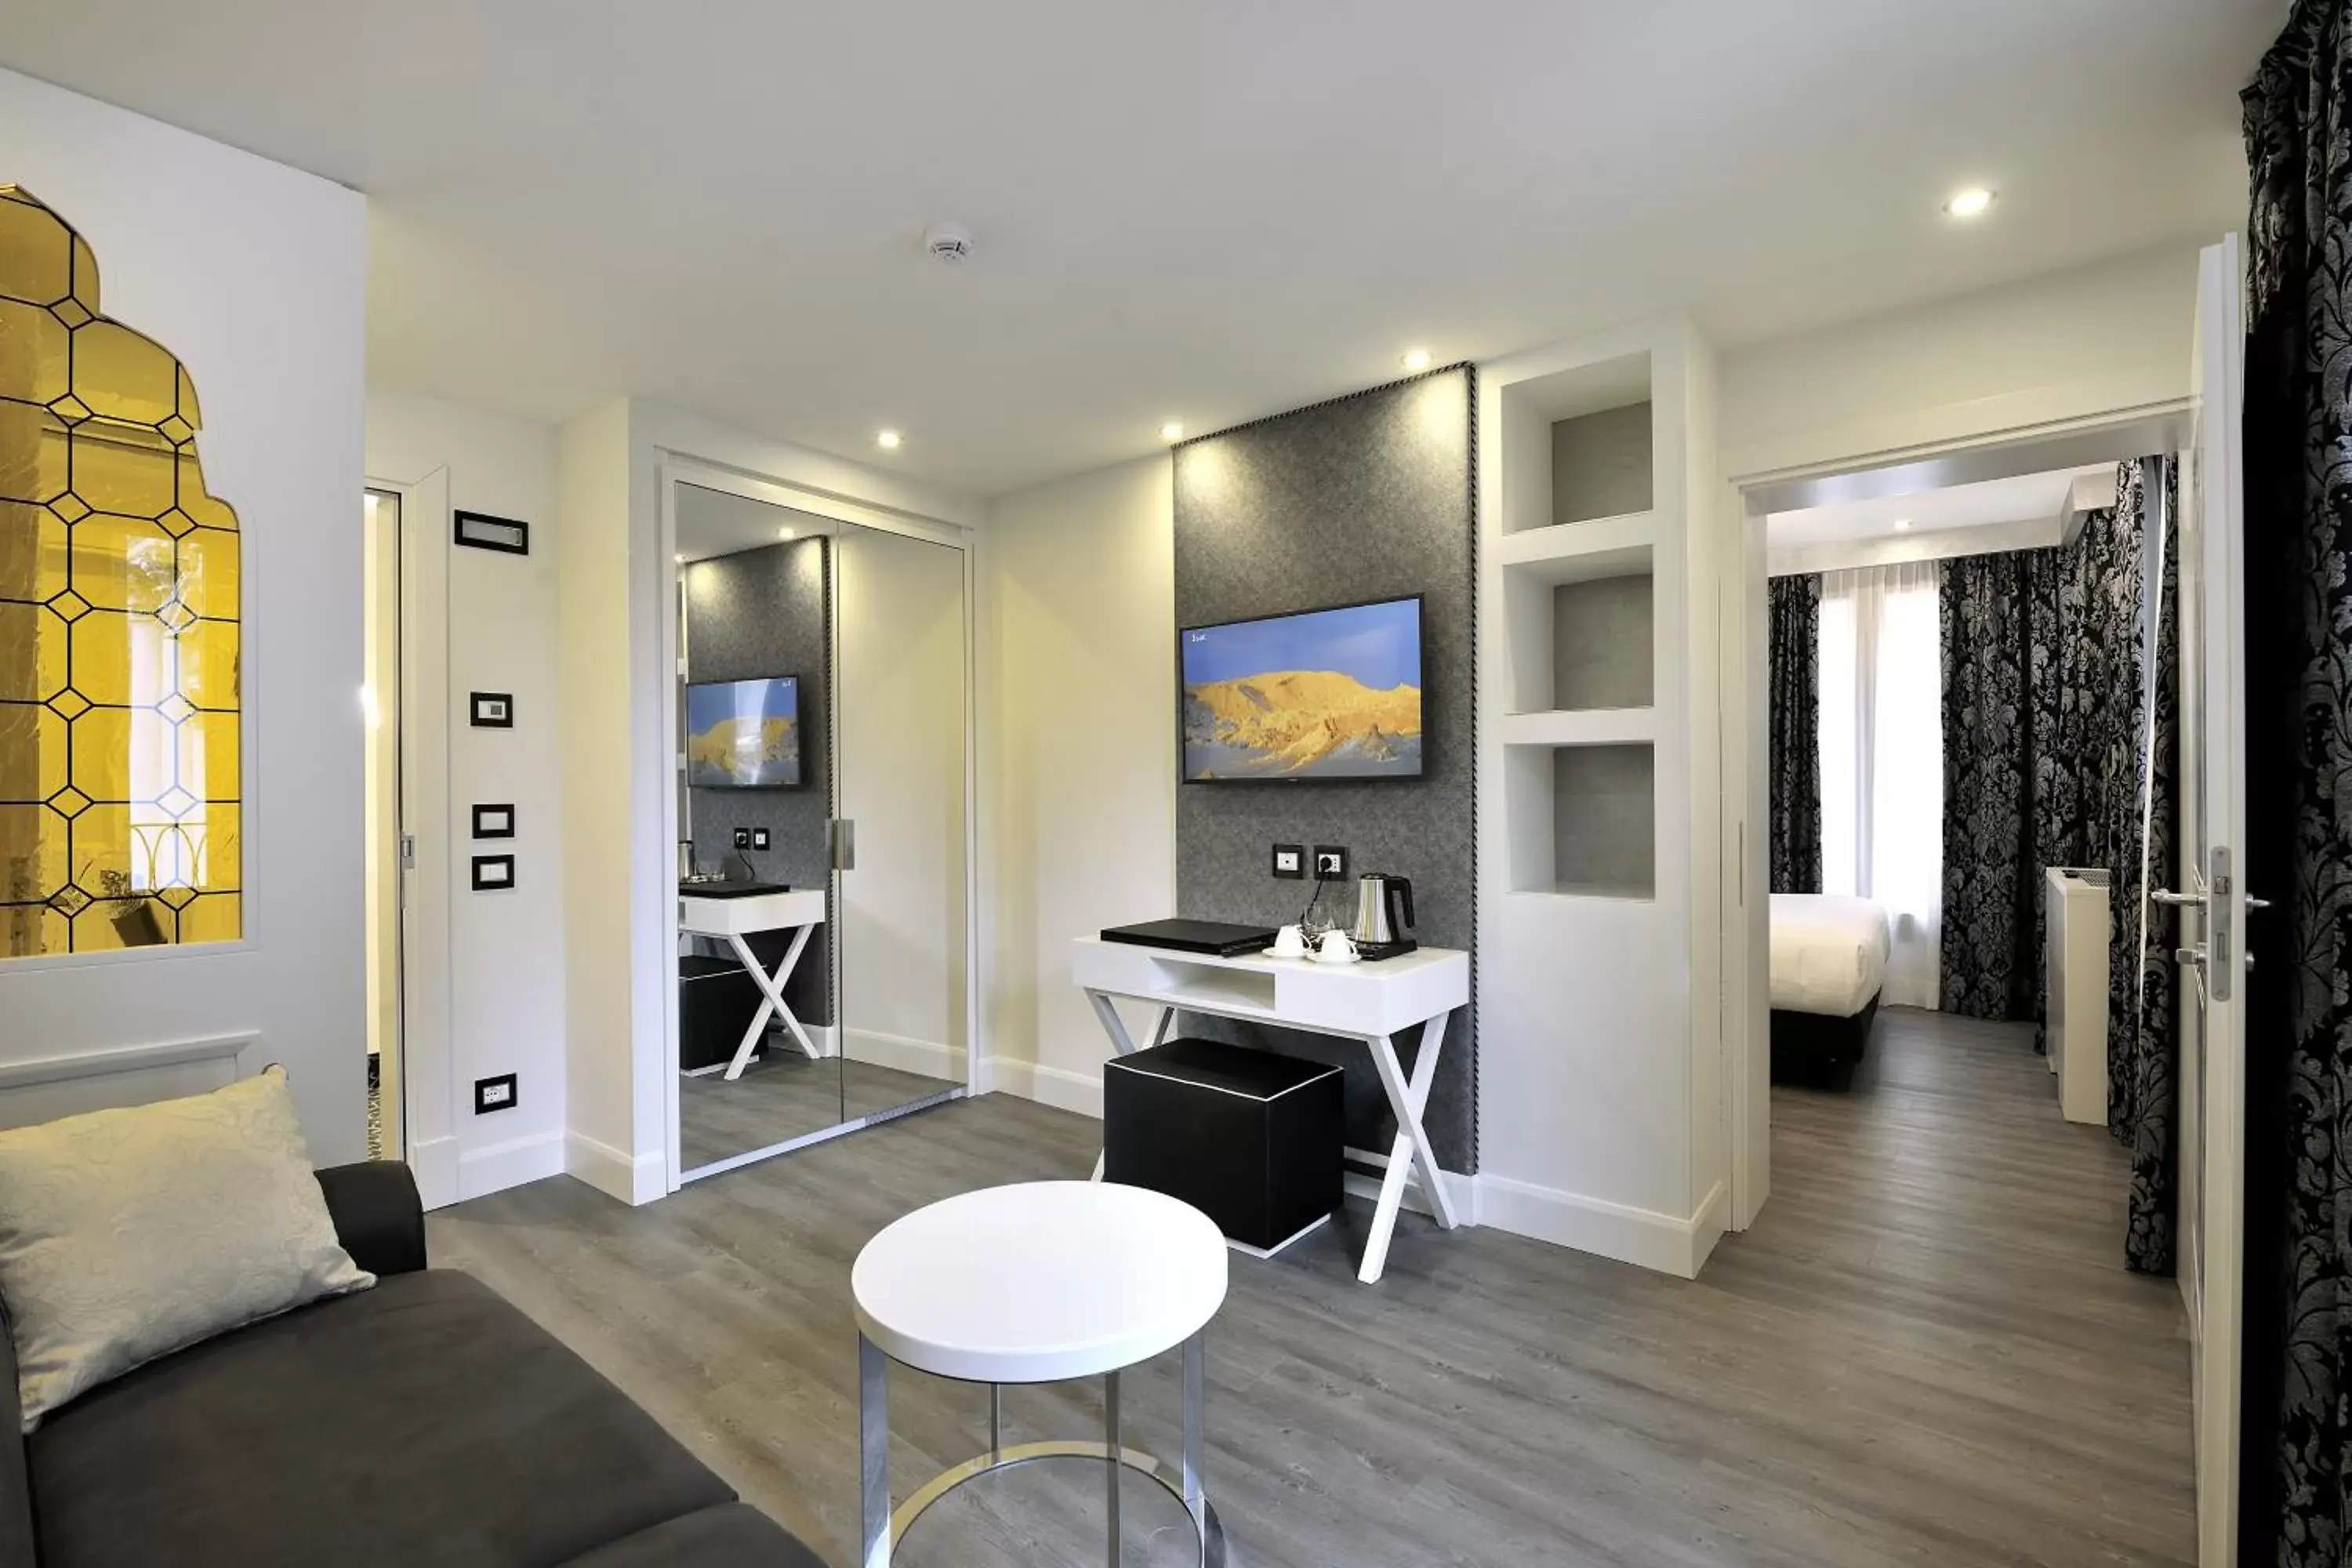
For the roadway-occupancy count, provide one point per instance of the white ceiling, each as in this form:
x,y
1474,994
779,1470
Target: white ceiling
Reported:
x,y
1990,503
716,522
1202,212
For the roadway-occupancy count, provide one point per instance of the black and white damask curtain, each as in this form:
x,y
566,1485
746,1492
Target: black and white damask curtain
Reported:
x,y
2296,1487
1992,735
1795,701
2050,761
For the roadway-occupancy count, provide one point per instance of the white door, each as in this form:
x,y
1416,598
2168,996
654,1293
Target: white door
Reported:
x,y
2214,905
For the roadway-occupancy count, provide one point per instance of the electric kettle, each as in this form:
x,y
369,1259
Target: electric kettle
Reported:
x,y
1383,908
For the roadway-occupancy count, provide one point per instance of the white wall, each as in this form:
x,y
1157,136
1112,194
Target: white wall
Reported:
x,y
499,623
255,275
1078,755
607,1143
2067,346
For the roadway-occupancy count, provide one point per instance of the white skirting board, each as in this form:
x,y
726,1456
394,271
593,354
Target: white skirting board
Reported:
x,y
637,1179
1057,1087
434,1163
510,1163
1641,1236
928,1057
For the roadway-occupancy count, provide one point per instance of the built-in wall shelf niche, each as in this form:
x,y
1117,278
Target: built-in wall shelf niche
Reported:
x,y
1582,819
1581,625
1585,448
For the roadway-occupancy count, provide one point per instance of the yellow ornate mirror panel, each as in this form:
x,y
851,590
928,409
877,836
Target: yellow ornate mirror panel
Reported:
x,y
119,633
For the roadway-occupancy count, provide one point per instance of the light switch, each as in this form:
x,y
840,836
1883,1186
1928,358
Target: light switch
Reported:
x,y
1290,860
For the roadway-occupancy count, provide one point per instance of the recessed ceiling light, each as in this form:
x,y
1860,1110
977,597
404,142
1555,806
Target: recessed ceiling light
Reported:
x,y
1973,202
783,533
1171,431
679,560
1902,522
887,440
1415,359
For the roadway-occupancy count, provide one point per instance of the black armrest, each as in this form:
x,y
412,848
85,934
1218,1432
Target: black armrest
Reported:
x,y
378,1216
16,1475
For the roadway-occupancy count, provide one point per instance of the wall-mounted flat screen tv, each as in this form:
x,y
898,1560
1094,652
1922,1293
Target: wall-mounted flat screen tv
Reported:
x,y
1323,694
743,734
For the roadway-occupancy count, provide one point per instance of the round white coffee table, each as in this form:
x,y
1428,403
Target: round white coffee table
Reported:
x,y
1036,1283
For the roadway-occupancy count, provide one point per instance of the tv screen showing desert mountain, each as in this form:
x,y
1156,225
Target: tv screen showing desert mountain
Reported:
x,y
1326,694
743,734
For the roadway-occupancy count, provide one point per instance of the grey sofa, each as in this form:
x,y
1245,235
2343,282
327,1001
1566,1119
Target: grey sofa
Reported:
x,y
425,1420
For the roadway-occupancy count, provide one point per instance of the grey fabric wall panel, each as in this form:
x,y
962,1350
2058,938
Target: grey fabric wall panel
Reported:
x,y
1601,636
763,613
1370,496
1601,463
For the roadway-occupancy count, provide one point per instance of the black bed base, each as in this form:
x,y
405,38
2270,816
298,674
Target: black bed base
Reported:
x,y
1819,1050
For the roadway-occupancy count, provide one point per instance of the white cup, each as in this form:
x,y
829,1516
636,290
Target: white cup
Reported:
x,y
1290,941
1336,948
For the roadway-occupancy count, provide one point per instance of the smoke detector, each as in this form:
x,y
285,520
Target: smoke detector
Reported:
x,y
948,242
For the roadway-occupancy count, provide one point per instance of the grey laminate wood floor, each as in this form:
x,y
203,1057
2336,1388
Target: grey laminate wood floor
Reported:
x,y
781,1095
1927,1350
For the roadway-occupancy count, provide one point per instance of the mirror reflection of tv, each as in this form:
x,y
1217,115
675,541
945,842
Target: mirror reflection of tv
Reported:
x,y
1318,695
743,734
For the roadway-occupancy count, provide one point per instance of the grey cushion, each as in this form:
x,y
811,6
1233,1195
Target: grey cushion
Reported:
x,y
425,1420
735,1536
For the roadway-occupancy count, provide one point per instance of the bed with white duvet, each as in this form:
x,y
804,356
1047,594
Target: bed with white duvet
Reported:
x,y
1828,965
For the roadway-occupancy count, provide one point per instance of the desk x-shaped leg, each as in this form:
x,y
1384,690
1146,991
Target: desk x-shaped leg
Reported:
x,y
1121,1041
1411,1151
771,988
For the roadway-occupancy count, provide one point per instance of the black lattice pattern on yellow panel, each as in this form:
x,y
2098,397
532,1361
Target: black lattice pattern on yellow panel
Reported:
x,y
120,817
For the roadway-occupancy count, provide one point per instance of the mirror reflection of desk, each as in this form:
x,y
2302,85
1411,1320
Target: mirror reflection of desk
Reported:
x,y
730,911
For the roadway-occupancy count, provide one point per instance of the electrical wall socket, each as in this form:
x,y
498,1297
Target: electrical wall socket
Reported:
x,y
742,838
1290,860
494,1094
1330,862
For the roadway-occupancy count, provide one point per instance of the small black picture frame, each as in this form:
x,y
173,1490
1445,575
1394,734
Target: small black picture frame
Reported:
x,y
490,710
480,531
494,821
494,873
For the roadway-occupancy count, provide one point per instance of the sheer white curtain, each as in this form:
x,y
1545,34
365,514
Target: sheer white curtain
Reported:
x,y
1882,690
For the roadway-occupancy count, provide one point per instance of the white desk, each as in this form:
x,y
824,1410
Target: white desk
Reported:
x,y
1369,1003
799,911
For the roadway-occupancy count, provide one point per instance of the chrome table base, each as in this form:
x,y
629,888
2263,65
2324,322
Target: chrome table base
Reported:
x,y
881,1525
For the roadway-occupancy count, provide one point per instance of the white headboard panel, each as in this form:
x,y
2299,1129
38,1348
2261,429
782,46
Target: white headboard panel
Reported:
x,y
49,1087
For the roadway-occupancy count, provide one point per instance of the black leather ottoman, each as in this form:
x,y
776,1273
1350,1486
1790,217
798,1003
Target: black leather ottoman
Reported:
x,y
1250,1138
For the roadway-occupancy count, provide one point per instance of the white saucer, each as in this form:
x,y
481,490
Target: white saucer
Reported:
x,y
1352,958
1288,957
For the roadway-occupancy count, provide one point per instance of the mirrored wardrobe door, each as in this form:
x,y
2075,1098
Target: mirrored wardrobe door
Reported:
x,y
756,780
900,649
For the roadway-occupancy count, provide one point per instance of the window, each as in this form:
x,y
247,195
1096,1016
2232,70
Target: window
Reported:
x,y
120,636
1882,738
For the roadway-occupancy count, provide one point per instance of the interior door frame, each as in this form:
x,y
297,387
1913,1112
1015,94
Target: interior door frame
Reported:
x,y
672,469
2217,1330
429,1113
1744,647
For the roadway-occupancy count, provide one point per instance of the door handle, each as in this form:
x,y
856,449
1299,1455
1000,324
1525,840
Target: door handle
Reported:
x,y
2181,900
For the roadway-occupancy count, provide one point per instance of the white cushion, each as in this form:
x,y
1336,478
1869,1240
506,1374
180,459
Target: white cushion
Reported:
x,y
127,1235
